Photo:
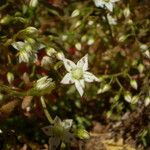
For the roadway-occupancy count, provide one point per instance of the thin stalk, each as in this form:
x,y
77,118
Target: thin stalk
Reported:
x,y
47,114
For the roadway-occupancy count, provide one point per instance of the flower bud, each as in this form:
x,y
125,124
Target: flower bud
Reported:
x,y
134,84
31,30
128,97
6,20
141,68
126,12
43,83
78,46
143,47
10,77
122,38
106,88
82,134
147,101
60,56
134,99
50,51
91,22
75,13
90,41
77,24
33,3
83,38
64,37
1,96
147,54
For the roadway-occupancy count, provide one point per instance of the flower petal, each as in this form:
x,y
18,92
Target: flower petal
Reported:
x,y
82,83
68,137
79,87
67,123
67,79
98,3
18,45
89,77
48,130
83,62
109,6
53,143
69,65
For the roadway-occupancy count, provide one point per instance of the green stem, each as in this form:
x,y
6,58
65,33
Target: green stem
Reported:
x,y
47,114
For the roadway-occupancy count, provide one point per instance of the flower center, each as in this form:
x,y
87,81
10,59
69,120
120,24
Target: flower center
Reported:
x,y
58,130
77,73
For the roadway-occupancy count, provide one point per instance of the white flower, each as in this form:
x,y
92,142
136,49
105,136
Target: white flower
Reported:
x,y
105,3
78,74
26,50
59,132
43,83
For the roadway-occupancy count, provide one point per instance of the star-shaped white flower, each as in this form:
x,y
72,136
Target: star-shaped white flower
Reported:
x,y
59,132
105,3
78,74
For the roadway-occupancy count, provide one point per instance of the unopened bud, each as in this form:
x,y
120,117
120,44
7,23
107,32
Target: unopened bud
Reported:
x,y
147,54
60,56
126,12
78,23
143,47
64,37
141,68
134,84
83,38
106,88
90,41
31,30
128,97
10,77
147,101
6,20
82,134
135,99
33,3
1,96
91,22
78,46
50,51
122,38
75,13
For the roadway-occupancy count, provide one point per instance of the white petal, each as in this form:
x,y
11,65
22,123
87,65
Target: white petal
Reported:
x,y
68,137
82,83
67,123
83,62
53,143
113,1
109,6
69,64
18,45
48,130
98,3
89,77
67,79
79,87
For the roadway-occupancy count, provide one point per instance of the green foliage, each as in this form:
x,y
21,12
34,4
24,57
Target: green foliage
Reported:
x,y
36,36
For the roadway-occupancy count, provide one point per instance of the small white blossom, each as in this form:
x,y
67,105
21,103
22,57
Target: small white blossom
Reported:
x,y
59,132
78,74
26,50
147,101
43,83
105,3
